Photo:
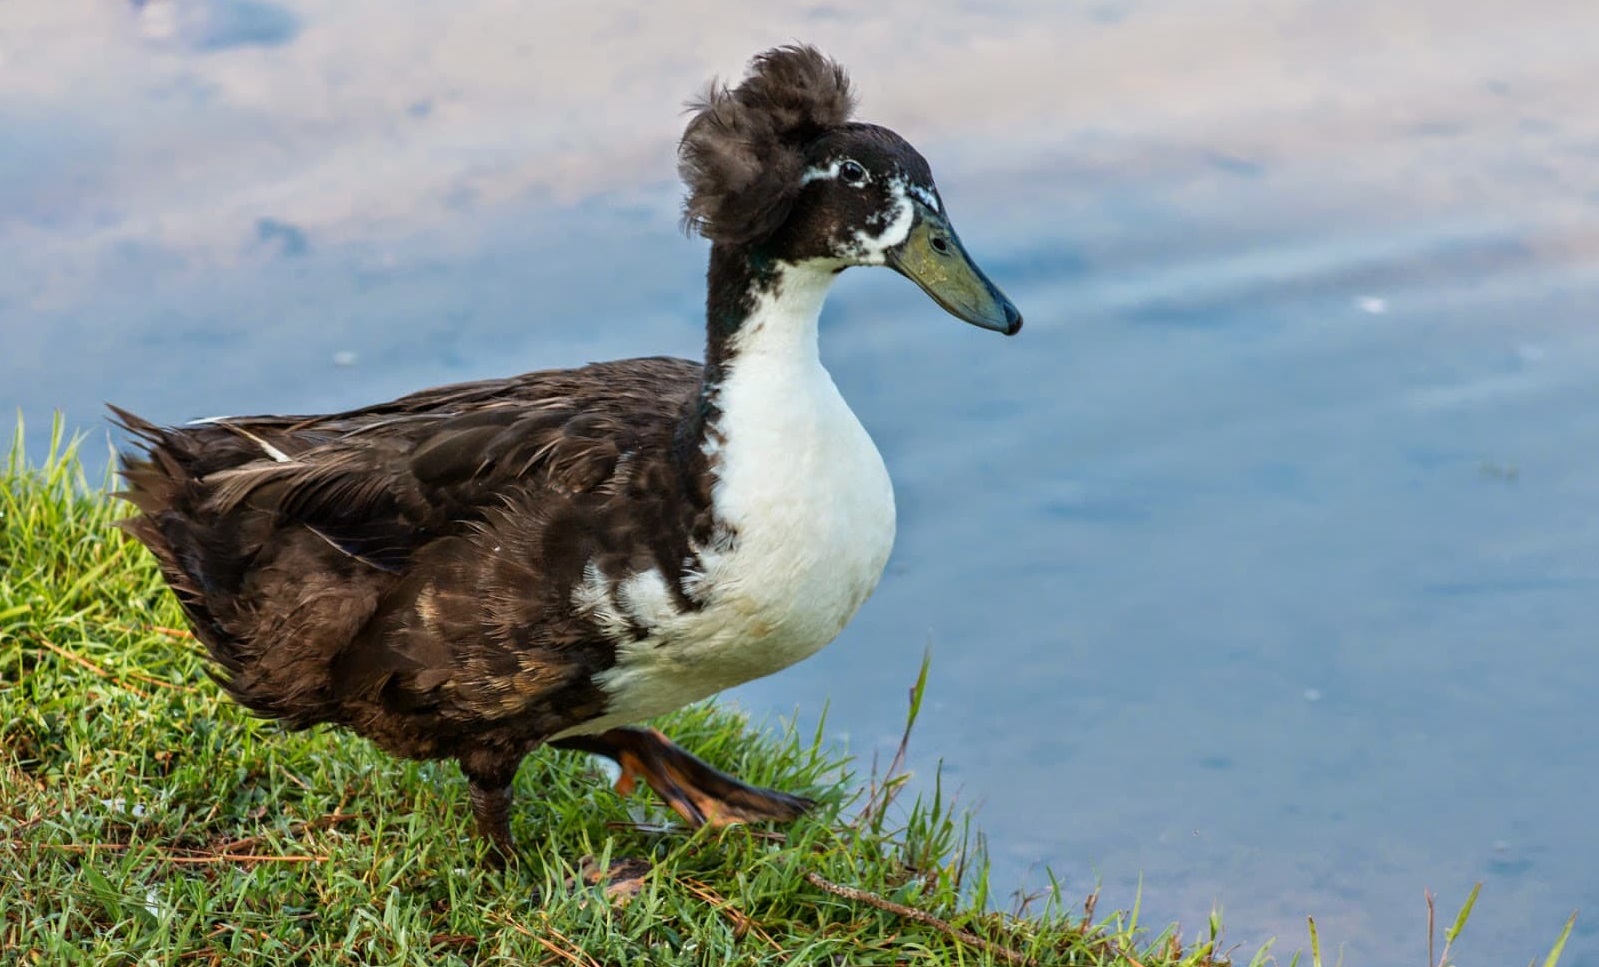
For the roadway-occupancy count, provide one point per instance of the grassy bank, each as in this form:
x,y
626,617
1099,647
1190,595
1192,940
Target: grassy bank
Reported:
x,y
143,819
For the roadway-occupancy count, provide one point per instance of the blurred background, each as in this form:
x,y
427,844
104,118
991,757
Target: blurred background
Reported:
x,y
1261,569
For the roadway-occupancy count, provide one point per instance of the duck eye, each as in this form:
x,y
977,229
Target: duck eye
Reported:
x,y
851,173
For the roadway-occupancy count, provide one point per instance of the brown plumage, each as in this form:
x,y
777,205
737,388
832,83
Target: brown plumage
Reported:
x,y
406,570
457,573
419,553
743,151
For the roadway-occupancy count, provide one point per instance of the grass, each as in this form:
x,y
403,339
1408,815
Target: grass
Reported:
x,y
144,819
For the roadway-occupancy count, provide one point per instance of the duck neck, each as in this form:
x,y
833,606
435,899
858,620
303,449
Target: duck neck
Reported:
x,y
756,305
760,314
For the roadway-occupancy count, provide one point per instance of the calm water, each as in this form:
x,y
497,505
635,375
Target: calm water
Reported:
x,y
1263,565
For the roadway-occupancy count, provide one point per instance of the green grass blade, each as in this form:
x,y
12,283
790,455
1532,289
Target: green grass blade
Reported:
x,y
1461,918
1553,960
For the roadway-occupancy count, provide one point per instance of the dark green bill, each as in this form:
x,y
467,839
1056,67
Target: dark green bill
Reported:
x,y
932,256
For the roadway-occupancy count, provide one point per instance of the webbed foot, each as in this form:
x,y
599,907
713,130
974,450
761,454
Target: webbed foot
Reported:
x,y
700,793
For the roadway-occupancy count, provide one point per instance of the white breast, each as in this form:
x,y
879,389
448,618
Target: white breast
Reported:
x,y
810,515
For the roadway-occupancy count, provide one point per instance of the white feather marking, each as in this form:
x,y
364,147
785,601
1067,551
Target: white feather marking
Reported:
x,y
873,249
923,195
277,455
593,598
811,516
820,174
830,171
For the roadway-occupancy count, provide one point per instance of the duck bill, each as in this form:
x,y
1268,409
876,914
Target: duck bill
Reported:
x,y
932,256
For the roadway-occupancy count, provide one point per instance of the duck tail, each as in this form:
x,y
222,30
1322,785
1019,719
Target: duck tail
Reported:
x,y
160,483
275,662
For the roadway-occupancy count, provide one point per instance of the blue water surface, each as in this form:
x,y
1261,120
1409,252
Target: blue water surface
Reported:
x,y
1260,571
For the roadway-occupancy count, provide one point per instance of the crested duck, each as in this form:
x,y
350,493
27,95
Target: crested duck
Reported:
x,y
474,571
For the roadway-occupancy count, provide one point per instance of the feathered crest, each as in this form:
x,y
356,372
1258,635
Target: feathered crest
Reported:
x,y
742,154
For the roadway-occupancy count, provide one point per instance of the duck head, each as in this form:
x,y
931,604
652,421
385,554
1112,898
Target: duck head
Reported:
x,y
777,167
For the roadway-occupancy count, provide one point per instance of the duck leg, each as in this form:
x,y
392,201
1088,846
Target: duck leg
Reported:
x,y
696,791
491,807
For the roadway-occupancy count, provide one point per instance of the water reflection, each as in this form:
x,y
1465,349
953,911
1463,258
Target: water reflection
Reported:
x,y
1262,565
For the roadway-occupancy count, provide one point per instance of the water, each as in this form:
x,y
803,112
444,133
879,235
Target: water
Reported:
x,y
1262,565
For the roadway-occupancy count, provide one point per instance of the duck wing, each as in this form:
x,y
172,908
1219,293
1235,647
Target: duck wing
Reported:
x,y
348,566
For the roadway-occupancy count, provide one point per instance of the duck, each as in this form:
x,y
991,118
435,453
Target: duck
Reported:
x,y
480,570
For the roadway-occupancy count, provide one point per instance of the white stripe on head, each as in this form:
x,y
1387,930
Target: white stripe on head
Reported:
x,y
830,173
821,174
924,196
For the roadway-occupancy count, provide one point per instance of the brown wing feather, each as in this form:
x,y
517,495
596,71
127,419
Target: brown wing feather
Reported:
x,y
406,568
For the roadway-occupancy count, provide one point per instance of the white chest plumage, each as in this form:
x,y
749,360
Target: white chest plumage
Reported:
x,y
809,510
